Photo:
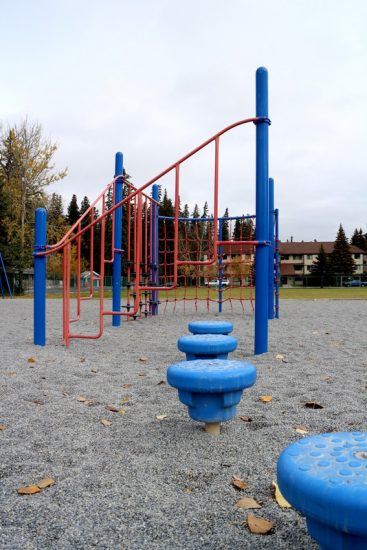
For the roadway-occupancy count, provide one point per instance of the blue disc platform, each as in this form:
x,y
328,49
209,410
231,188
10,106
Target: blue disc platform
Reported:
x,y
210,327
206,346
325,478
211,389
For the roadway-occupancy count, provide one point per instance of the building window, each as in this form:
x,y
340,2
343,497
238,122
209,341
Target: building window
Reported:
x,y
298,267
297,256
357,256
309,256
284,257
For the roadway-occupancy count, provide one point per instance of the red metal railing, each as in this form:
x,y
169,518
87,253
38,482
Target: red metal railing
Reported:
x,y
138,235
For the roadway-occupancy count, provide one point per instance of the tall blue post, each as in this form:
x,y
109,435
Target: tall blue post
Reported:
x,y
155,257
220,263
277,274
262,212
271,251
116,268
39,310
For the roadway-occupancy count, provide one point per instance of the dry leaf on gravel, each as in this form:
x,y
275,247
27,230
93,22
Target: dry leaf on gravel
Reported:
x,y
266,398
141,374
2,427
106,422
121,411
31,360
45,482
161,416
161,383
259,526
279,497
247,503
313,405
302,430
238,483
112,408
29,490
82,359
126,385
143,358
125,399
93,370
245,418
11,373
279,357
81,398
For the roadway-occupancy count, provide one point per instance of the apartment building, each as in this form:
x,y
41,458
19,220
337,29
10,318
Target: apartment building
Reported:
x,y
296,259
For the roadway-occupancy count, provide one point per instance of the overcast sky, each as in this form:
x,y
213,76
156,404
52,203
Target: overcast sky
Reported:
x,y
156,78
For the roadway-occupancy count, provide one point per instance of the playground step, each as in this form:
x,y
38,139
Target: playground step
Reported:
x,y
206,346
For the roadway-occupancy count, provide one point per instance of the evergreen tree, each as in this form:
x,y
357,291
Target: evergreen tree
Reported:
x,y
225,226
341,259
358,239
321,267
86,237
243,229
56,227
73,213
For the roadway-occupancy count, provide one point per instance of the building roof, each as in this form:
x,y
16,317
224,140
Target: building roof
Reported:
x,y
312,247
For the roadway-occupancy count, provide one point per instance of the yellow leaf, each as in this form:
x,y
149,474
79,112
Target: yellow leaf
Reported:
x,y
279,497
31,360
161,416
302,430
266,398
247,503
106,422
121,411
238,483
125,399
46,482
29,490
279,357
259,526
81,398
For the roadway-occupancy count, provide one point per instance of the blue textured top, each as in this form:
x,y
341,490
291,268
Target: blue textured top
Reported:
x,y
207,344
325,477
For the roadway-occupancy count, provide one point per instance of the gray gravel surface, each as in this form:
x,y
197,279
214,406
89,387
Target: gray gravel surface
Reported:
x,y
163,484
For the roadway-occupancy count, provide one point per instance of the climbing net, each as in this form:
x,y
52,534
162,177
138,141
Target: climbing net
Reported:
x,y
229,278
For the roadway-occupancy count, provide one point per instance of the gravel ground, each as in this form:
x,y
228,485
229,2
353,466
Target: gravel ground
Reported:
x,y
142,482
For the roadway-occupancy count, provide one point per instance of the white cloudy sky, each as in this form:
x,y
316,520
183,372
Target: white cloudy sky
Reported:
x,y
156,78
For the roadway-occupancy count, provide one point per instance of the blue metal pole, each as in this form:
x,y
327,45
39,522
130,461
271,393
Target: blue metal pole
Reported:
x,y
155,257
39,309
262,212
271,251
116,267
277,274
220,263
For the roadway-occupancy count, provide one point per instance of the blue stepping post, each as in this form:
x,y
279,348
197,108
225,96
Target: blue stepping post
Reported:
x,y
206,346
211,389
210,327
325,478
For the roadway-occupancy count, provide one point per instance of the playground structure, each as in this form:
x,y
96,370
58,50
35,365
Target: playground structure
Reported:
x,y
160,256
4,281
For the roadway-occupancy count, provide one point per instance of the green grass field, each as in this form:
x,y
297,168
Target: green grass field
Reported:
x,y
285,294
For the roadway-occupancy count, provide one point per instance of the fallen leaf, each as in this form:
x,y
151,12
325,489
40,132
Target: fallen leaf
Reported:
x,y
141,374
279,357
121,411
125,399
284,361
126,385
112,408
245,418
247,503
106,422
266,398
88,402
93,370
238,483
46,482
302,430
29,490
326,378
279,497
188,490
313,405
143,358
2,427
38,401
82,359
161,416
161,383
259,526
31,360
81,398
11,373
